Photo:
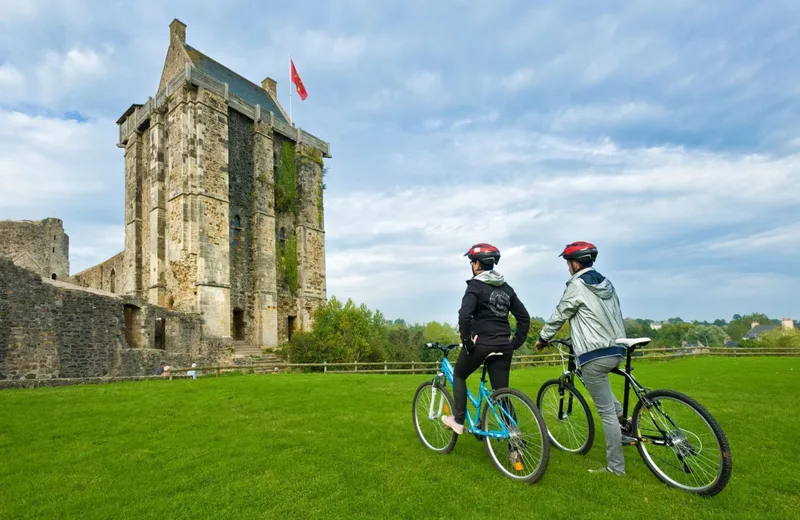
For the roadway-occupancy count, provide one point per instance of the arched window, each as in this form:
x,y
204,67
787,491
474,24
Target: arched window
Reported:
x,y
237,231
282,241
113,280
53,276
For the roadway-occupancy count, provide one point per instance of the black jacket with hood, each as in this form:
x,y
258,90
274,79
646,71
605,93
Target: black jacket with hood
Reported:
x,y
484,311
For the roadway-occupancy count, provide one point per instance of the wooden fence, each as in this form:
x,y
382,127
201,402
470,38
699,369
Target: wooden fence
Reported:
x,y
550,358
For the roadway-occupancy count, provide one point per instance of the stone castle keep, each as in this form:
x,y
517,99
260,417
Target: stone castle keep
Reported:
x,y
224,228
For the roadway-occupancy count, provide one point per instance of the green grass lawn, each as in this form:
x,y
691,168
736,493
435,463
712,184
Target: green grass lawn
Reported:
x,y
343,446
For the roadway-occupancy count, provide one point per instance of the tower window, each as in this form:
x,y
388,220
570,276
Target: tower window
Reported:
x,y
237,231
282,241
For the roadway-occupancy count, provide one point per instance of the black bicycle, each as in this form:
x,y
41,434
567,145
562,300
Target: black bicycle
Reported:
x,y
694,456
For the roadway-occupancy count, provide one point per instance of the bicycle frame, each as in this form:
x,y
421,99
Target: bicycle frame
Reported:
x,y
445,374
630,381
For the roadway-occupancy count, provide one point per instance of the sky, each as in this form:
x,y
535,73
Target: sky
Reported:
x,y
666,133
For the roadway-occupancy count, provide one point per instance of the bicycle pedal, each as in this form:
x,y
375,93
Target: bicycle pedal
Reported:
x,y
518,466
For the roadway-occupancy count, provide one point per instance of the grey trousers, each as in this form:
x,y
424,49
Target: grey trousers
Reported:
x,y
596,379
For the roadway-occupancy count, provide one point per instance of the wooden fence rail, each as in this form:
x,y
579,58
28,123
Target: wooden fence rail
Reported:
x,y
426,367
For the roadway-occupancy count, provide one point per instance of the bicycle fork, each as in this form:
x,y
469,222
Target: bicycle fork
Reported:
x,y
431,412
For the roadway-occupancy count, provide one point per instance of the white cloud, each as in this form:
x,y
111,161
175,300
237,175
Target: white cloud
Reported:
x,y
10,77
61,168
652,194
424,84
581,117
77,65
519,79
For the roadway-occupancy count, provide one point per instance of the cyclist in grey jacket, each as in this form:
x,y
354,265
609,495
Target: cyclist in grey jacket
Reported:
x,y
591,305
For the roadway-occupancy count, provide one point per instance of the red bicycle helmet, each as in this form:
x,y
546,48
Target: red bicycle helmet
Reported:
x,y
484,253
580,251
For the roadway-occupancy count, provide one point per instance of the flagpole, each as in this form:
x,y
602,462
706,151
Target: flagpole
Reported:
x,y
291,120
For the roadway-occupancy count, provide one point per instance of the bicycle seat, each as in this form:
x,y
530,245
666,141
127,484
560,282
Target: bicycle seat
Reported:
x,y
633,343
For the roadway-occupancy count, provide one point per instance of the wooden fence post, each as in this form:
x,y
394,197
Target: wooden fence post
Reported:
x,y
325,368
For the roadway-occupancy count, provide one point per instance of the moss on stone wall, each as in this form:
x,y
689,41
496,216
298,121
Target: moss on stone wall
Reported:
x,y
286,181
287,263
320,203
311,154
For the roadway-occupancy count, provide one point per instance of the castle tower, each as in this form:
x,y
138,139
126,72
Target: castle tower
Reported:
x,y
223,201
40,246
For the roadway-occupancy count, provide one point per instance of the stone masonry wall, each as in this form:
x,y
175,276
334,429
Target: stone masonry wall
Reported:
x,y
54,329
107,276
286,246
213,217
40,246
242,247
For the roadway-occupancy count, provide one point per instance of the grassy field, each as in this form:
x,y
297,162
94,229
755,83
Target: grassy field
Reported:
x,y
343,446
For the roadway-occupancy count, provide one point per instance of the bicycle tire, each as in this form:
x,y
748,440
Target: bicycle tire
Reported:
x,y
589,441
448,447
722,477
541,468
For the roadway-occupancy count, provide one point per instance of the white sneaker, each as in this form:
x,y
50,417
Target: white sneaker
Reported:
x,y
607,470
450,421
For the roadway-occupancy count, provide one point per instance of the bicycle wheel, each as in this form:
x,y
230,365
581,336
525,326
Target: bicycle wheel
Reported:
x,y
431,402
569,420
525,453
682,441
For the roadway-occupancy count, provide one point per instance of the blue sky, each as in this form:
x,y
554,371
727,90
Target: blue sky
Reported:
x,y
669,135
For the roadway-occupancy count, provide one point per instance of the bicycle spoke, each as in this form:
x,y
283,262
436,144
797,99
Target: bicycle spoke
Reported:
x,y
691,458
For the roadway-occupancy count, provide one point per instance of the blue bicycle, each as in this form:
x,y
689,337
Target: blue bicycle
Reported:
x,y
514,434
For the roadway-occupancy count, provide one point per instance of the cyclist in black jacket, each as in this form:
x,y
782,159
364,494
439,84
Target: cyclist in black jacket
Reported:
x,y
484,328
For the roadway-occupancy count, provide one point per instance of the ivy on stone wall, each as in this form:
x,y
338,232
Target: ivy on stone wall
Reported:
x,y
286,183
287,262
320,205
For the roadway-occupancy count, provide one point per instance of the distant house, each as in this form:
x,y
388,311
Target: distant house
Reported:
x,y
757,330
731,344
656,325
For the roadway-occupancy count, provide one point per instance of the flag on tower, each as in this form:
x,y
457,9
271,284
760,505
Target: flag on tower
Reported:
x,y
298,83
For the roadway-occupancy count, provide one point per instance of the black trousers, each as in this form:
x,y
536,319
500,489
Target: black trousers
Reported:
x,y
497,366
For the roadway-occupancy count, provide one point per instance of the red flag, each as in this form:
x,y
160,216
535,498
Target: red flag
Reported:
x,y
298,83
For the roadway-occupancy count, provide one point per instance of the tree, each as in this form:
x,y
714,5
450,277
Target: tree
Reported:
x,y
780,338
708,335
739,326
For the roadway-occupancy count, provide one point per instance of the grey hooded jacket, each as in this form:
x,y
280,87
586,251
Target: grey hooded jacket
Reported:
x,y
591,305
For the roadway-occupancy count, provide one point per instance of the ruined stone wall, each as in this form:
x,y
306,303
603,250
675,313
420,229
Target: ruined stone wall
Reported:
x,y
107,276
286,210
242,247
40,246
180,270
213,217
132,267
310,234
264,260
54,329
145,176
